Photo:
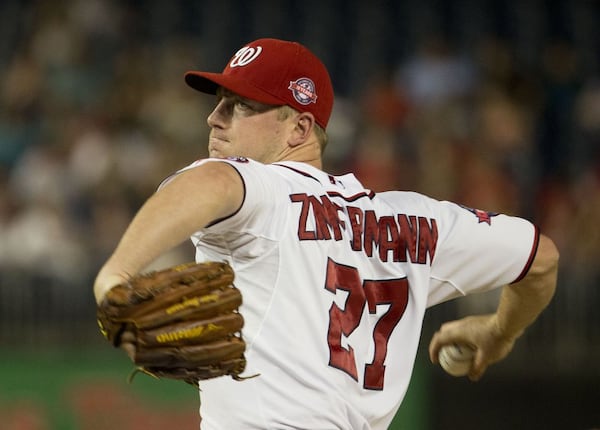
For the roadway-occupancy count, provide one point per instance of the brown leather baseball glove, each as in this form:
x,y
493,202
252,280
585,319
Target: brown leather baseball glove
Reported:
x,y
180,323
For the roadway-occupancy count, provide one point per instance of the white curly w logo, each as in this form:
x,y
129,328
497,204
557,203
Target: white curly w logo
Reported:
x,y
245,55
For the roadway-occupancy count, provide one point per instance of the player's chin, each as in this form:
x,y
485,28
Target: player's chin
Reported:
x,y
218,150
217,153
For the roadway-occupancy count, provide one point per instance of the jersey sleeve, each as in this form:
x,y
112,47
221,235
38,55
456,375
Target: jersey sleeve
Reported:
x,y
479,251
261,191
258,214
258,188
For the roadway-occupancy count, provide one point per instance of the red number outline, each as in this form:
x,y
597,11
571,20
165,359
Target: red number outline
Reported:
x,y
392,292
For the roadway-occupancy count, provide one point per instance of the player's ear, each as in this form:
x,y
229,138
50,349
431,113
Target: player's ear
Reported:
x,y
304,123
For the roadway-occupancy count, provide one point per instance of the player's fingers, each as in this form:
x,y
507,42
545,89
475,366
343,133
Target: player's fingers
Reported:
x,y
130,349
443,336
448,333
479,367
434,348
128,337
476,373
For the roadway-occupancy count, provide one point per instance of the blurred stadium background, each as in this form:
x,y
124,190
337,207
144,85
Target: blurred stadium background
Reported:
x,y
490,103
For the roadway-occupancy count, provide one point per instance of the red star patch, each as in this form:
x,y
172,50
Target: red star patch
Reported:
x,y
482,216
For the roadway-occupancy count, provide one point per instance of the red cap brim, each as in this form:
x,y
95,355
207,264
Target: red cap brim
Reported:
x,y
208,83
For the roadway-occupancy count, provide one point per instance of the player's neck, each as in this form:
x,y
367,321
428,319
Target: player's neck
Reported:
x,y
315,161
309,153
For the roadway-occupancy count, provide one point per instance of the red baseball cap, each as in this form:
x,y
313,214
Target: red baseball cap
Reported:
x,y
275,72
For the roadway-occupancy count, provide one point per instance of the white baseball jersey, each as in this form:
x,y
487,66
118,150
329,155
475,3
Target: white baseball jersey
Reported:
x,y
335,281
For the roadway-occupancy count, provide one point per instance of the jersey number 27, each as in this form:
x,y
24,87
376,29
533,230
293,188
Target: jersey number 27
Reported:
x,y
392,292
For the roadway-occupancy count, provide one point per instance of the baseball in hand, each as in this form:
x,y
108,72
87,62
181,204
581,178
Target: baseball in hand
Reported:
x,y
456,359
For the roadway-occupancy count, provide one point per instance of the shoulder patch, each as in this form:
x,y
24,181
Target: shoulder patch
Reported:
x,y
482,216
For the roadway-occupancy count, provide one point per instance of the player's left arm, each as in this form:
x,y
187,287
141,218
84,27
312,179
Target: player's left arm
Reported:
x,y
190,201
493,336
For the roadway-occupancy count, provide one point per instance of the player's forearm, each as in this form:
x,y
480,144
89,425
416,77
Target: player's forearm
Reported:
x,y
521,303
135,252
157,228
191,201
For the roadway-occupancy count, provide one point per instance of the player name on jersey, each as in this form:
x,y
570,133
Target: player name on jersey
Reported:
x,y
397,238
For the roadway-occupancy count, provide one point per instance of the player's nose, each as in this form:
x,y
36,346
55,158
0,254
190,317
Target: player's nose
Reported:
x,y
219,115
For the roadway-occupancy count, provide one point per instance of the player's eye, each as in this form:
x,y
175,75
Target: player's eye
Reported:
x,y
252,107
244,105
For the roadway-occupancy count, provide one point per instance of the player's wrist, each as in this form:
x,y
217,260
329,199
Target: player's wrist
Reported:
x,y
104,284
502,331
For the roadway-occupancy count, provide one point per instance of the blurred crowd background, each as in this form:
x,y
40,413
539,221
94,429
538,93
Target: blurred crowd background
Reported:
x,y
491,104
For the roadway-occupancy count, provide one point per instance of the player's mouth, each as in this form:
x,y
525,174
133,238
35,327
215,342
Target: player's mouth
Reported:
x,y
217,141
217,146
